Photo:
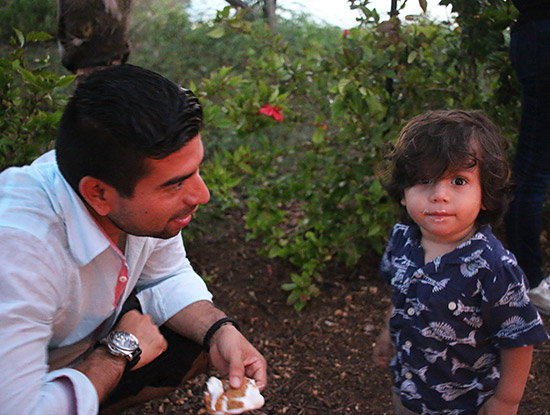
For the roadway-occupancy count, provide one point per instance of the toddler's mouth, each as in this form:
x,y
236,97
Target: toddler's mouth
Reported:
x,y
437,215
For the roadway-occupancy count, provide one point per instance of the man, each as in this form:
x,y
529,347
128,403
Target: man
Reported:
x,y
93,262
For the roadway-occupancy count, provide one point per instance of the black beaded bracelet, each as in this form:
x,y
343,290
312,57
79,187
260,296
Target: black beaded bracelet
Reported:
x,y
214,328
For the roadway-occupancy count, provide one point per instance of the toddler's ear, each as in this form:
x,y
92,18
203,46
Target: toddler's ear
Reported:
x,y
403,202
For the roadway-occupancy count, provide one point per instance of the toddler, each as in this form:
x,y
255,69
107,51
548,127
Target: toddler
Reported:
x,y
461,329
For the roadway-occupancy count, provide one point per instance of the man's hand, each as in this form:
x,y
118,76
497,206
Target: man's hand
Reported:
x,y
234,356
231,354
151,342
105,370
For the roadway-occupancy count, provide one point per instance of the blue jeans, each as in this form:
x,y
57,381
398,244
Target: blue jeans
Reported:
x,y
530,57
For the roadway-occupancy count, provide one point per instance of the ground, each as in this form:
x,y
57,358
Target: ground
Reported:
x,y
319,360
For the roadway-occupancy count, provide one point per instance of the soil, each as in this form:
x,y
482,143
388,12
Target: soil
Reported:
x,y
319,360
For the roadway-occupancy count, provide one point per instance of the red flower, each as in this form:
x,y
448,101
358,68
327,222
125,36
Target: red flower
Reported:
x,y
270,111
346,32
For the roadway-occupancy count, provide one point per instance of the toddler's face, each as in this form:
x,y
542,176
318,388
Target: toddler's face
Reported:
x,y
446,208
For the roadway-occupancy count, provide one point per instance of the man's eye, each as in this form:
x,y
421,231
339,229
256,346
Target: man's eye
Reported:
x,y
177,186
459,181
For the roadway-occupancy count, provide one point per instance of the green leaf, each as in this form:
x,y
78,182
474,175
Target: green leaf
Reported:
x,y
374,230
412,56
342,85
224,13
375,107
65,80
28,76
288,286
38,36
376,187
296,279
20,37
217,33
293,297
299,306
318,136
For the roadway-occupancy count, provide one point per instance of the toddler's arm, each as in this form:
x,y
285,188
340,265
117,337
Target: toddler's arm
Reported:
x,y
383,348
515,366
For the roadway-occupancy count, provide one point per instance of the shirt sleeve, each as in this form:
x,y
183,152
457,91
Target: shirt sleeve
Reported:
x,y
168,282
27,309
511,318
386,266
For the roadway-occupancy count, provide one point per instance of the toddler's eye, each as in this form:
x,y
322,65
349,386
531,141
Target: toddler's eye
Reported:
x,y
425,181
459,181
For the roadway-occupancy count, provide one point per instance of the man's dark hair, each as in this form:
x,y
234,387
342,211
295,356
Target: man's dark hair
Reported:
x,y
436,143
119,117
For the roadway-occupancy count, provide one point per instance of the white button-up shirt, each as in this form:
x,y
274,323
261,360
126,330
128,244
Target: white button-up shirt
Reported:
x,y
60,279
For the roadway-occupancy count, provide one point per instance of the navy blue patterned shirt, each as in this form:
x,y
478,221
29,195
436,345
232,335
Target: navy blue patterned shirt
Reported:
x,y
451,317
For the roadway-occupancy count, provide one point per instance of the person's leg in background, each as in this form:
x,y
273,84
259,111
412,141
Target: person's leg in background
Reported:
x,y
530,56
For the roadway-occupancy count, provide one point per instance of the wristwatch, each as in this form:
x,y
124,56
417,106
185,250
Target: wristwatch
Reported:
x,y
121,343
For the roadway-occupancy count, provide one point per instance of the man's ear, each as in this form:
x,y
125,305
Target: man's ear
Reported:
x,y
98,194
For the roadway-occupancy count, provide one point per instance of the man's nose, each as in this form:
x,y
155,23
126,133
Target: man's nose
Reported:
x,y
197,193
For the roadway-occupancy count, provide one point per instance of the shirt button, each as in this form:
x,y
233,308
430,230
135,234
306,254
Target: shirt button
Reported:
x,y
408,375
411,311
452,306
408,344
123,278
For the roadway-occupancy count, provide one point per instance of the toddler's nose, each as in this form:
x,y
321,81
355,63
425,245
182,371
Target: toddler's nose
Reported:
x,y
439,193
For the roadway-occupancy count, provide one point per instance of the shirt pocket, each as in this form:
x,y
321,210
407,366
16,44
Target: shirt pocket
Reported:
x,y
451,315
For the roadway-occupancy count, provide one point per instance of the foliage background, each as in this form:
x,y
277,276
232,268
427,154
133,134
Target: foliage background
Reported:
x,y
311,184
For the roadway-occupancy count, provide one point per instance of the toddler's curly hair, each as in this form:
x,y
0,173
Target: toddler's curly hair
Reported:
x,y
434,144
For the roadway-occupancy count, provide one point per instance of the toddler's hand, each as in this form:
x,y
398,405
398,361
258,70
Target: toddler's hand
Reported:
x,y
496,406
383,349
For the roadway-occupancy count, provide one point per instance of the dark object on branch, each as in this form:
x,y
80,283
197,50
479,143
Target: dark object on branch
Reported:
x,y
268,10
93,33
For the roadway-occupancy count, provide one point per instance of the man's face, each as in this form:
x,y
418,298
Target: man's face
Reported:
x,y
166,198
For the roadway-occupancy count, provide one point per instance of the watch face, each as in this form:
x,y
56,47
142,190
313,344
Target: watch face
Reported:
x,y
125,341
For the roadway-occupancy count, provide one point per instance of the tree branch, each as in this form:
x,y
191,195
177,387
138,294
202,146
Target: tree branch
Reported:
x,y
238,4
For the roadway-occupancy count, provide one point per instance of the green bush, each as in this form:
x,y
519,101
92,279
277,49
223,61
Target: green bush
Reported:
x,y
27,16
165,40
32,98
313,190
311,182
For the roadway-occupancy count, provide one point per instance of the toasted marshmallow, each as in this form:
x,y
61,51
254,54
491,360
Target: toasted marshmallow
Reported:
x,y
220,398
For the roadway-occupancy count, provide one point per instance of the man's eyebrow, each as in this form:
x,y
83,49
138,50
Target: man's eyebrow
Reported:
x,y
175,180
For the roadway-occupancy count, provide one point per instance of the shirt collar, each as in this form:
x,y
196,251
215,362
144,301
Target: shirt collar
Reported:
x,y
478,241
413,232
